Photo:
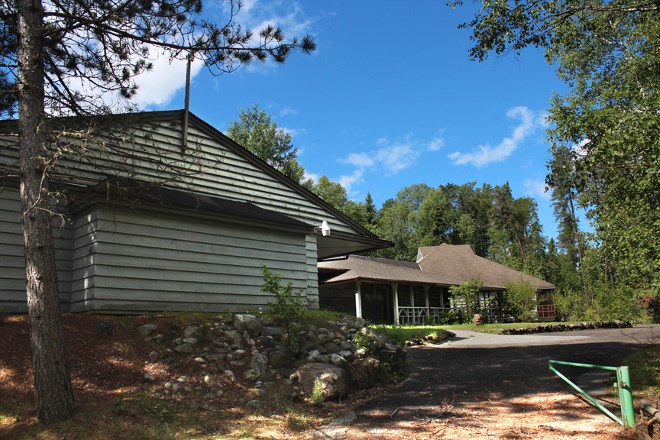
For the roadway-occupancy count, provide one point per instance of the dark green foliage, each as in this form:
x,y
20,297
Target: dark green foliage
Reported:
x,y
256,131
467,294
332,192
604,132
454,317
520,301
494,223
364,213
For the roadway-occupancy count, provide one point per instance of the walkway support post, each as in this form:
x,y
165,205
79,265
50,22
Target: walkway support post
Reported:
x,y
395,293
427,304
358,300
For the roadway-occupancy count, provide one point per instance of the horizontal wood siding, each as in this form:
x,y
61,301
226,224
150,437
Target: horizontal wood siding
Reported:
x,y
207,166
83,267
144,261
312,273
12,261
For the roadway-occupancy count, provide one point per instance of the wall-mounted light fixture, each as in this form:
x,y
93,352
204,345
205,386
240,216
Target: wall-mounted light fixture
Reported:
x,y
324,229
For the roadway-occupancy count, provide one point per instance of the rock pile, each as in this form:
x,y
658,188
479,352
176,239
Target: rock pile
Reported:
x,y
256,353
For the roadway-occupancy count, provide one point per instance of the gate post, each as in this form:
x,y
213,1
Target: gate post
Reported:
x,y
625,396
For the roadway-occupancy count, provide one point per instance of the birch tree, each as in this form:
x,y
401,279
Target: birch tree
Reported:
x,y
607,52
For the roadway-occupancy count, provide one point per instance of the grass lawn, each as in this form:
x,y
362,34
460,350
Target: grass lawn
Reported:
x,y
645,373
401,333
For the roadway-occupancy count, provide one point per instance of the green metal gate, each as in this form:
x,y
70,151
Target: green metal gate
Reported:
x,y
622,383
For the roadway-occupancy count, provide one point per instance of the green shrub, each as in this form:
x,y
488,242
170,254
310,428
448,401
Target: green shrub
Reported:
x,y
364,341
468,294
520,301
611,304
318,392
570,305
289,305
451,317
605,304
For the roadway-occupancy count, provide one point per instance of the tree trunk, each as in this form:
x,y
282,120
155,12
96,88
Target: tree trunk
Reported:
x,y
54,394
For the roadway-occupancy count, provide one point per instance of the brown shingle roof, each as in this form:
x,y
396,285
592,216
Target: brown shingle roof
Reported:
x,y
443,265
375,269
460,263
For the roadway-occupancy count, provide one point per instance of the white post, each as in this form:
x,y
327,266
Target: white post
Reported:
x,y
428,304
358,300
395,290
412,303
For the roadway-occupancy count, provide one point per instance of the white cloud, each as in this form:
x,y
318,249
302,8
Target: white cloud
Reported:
x,y
313,176
397,157
286,111
436,144
579,148
391,158
486,154
360,160
292,131
348,181
388,158
256,14
158,86
536,188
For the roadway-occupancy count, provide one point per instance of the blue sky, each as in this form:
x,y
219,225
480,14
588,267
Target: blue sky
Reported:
x,y
389,98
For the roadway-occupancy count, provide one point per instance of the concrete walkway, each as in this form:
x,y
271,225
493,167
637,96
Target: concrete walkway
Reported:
x,y
496,370
466,338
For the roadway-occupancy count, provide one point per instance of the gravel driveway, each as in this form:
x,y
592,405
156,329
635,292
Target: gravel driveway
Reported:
x,y
481,385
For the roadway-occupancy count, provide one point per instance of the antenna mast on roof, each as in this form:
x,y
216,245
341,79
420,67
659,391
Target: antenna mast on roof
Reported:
x,y
186,110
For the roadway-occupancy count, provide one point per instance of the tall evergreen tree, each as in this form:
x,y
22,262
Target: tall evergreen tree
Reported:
x,y
48,50
331,192
256,131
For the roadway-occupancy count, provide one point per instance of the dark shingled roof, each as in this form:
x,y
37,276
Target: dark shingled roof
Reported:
x,y
141,193
459,263
439,265
375,269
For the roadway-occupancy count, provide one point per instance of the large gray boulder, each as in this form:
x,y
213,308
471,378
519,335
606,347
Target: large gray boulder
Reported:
x,y
248,323
281,358
272,331
147,329
330,381
259,362
364,372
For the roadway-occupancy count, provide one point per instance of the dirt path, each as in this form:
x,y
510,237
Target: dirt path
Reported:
x,y
491,386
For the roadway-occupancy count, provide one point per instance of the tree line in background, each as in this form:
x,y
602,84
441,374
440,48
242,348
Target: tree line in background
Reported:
x,y
604,134
590,284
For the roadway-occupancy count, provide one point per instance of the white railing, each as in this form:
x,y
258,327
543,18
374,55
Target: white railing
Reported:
x,y
421,315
